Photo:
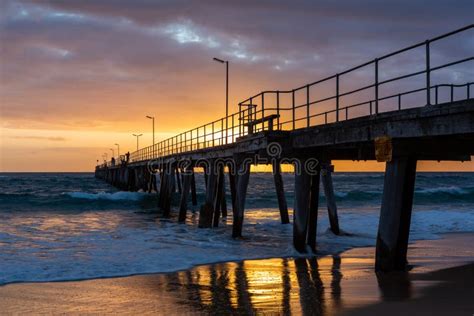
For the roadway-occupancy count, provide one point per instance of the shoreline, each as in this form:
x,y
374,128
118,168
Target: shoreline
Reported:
x,y
336,283
307,256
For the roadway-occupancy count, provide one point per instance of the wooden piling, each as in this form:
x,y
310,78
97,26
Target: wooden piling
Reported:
x,y
193,188
178,179
395,214
280,192
242,181
183,205
223,198
169,190
326,175
219,196
313,211
301,209
207,210
232,184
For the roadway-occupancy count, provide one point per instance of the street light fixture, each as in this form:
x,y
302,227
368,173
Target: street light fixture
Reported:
x,y
118,150
137,135
113,152
153,119
226,94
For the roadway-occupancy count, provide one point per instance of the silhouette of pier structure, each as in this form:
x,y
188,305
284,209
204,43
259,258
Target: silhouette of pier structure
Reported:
x,y
374,111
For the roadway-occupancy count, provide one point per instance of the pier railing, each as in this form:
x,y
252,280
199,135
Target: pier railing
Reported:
x,y
310,105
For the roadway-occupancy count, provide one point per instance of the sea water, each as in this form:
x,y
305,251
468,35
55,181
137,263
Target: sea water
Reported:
x,y
70,226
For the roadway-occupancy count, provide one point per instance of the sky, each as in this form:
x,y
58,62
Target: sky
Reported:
x,y
78,77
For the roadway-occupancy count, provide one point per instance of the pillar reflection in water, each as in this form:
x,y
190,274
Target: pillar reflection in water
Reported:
x,y
282,286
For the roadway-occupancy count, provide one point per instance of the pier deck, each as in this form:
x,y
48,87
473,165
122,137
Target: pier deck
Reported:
x,y
299,127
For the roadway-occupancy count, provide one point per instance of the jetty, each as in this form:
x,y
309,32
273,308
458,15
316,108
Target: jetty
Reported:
x,y
374,111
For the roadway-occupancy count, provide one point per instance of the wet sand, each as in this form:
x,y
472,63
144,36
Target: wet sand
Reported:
x,y
440,282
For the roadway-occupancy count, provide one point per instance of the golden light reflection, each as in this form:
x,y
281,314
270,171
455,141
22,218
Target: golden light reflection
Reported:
x,y
310,286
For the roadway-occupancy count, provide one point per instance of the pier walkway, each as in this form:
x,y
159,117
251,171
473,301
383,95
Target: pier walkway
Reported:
x,y
374,111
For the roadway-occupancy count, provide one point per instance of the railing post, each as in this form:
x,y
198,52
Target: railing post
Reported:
x,y
376,86
263,110
468,92
205,136
307,106
233,128
337,98
399,102
278,108
452,93
213,144
293,107
436,94
428,89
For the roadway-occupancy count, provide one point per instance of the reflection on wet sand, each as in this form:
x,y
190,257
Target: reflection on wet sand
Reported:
x,y
309,286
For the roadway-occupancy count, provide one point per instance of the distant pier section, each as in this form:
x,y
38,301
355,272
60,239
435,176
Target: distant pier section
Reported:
x,y
392,116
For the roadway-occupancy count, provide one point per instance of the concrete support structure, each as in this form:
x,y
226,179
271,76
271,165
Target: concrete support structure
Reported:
x,y
186,176
280,192
242,180
207,210
326,176
395,214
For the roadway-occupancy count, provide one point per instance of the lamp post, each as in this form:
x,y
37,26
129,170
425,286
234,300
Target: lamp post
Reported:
x,y
113,152
153,119
118,150
226,94
137,135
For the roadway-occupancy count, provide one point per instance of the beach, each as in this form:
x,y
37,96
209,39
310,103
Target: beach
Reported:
x,y
439,282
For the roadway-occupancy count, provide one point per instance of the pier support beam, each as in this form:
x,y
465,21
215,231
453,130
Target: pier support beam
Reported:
x,y
326,176
168,190
313,212
183,205
219,195
395,214
280,192
301,209
241,183
193,189
305,214
207,210
223,195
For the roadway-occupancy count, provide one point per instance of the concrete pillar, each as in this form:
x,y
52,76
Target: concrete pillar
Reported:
x,y
232,188
168,196
178,179
193,188
223,197
219,196
207,210
301,209
242,181
183,205
313,212
280,192
395,214
326,175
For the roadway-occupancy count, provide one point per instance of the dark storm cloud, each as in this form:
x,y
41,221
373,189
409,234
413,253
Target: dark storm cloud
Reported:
x,y
69,60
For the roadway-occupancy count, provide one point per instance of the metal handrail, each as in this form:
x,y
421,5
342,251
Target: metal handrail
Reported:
x,y
214,133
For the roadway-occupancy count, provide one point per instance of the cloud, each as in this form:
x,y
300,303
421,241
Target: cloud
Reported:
x,y
42,138
102,65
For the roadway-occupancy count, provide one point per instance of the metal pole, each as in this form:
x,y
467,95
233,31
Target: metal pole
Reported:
x,y
226,99
337,98
376,86
428,91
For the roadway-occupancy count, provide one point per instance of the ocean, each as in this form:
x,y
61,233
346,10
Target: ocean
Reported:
x,y
71,226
